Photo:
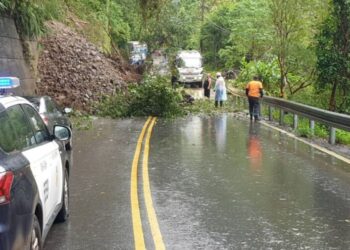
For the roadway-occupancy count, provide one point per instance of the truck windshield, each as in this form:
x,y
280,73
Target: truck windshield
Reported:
x,y
191,62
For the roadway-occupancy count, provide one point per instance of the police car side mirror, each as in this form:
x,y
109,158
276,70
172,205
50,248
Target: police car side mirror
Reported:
x,y
62,133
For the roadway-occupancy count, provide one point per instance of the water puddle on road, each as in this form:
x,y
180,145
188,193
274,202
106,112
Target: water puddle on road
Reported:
x,y
223,183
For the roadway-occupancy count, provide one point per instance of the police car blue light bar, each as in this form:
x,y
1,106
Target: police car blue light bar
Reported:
x,y
9,82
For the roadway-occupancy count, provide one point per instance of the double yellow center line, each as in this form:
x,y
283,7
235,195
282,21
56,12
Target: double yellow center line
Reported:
x,y
135,207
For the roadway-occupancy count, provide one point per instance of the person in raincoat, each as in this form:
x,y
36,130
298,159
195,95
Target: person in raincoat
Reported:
x,y
220,90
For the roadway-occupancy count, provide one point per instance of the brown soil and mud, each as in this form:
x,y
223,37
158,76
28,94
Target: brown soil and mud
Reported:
x,y
75,72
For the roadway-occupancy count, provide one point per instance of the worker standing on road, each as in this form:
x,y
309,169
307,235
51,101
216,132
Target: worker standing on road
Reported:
x,y
220,90
207,86
254,91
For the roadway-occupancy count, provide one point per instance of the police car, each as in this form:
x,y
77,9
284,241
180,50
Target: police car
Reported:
x,y
34,171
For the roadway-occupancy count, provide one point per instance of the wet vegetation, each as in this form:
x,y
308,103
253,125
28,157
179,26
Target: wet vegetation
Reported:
x,y
295,46
303,130
207,107
153,96
81,121
299,49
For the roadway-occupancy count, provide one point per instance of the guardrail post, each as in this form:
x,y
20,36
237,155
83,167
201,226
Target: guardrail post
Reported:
x,y
281,117
270,113
332,135
312,127
295,121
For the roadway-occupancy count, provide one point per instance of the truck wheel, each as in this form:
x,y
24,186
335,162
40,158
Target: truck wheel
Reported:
x,y
35,239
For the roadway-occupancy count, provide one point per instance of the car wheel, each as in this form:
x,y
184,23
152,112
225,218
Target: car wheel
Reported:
x,y
35,239
64,212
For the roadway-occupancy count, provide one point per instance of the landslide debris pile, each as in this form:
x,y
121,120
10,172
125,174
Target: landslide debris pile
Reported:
x,y
75,73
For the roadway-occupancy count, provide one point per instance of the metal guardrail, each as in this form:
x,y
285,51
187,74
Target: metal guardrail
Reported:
x,y
332,119
329,118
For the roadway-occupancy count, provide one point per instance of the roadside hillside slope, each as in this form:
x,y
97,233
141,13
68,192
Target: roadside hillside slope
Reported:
x,y
75,73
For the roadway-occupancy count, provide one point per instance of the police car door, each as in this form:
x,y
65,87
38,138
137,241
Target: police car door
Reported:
x,y
46,165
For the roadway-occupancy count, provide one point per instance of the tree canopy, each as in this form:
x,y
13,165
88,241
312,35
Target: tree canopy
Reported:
x,y
295,46
333,56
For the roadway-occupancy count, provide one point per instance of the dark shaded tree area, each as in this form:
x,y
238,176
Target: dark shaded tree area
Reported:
x,y
333,56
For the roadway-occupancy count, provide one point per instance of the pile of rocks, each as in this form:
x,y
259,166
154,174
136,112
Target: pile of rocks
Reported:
x,y
75,73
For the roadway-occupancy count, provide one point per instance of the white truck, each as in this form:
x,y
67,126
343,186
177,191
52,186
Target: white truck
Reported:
x,y
189,68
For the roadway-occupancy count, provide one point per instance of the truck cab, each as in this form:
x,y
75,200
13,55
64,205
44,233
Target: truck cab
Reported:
x,y
189,67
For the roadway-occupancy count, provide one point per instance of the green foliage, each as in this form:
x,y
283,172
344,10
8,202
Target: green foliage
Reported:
x,y
106,25
327,54
275,37
117,28
5,5
250,38
268,72
307,96
333,54
294,24
80,121
207,107
154,96
31,15
175,27
343,137
150,8
321,131
215,34
303,130
30,18
114,106
259,30
174,24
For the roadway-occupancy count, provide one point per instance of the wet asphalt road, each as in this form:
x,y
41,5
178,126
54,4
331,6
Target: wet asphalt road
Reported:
x,y
217,183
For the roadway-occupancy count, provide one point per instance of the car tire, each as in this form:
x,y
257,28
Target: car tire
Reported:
x,y
35,239
63,215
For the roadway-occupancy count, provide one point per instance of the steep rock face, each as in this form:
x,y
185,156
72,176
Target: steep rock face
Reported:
x,y
75,73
